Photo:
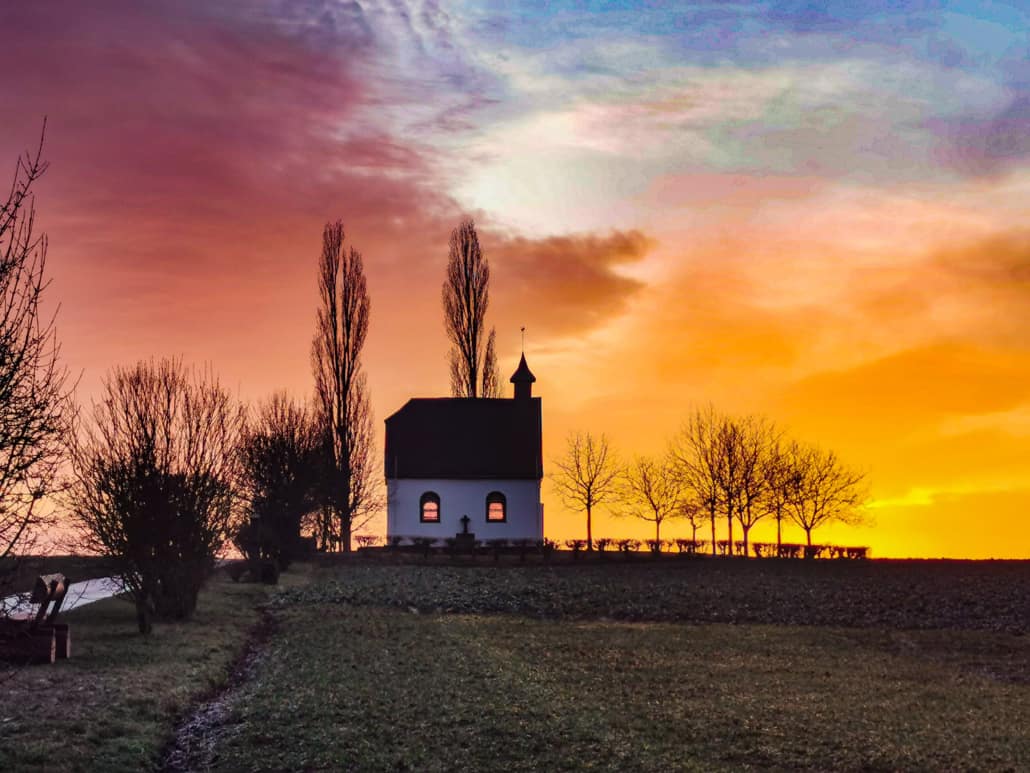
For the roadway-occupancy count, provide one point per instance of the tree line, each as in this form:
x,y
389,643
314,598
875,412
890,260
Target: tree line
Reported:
x,y
737,470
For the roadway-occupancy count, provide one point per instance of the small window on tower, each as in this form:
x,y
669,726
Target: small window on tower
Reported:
x,y
429,504
496,507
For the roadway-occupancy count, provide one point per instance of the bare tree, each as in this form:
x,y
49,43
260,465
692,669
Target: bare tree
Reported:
x,y
279,457
730,458
692,512
695,452
466,296
652,490
820,489
776,490
587,476
155,477
756,437
34,407
351,492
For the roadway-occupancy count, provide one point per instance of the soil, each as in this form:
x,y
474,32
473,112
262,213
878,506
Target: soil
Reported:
x,y
195,743
890,594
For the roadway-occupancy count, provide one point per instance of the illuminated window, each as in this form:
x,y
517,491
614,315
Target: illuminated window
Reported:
x,y
429,507
496,507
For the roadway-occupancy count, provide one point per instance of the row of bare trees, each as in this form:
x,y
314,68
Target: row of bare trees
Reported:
x,y
741,470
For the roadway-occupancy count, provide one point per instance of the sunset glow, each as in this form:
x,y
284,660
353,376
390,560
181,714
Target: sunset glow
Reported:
x,y
817,215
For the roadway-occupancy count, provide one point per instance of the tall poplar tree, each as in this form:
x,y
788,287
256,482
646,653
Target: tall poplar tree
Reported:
x,y
350,493
466,296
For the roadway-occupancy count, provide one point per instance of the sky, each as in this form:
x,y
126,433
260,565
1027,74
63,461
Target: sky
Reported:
x,y
812,211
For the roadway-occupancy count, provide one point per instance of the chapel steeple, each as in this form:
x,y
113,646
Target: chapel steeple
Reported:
x,y
523,379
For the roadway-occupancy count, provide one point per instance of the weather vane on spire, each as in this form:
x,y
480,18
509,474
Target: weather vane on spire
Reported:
x,y
523,339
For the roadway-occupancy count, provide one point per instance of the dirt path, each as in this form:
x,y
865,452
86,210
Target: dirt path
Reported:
x,y
195,744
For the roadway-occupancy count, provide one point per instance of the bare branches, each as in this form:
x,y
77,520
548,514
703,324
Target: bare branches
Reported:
x,y
695,451
819,489
155,478
466,296
279,457
742,468
652,490
34,407
587,476
344,411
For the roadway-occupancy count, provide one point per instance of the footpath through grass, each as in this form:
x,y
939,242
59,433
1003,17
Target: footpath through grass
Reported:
x,y
114,704
361,688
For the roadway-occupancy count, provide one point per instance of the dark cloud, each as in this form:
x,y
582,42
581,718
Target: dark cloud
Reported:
x,y
564,285
1002,260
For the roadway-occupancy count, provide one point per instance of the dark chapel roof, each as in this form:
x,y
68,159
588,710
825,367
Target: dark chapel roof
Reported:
x,y
465,438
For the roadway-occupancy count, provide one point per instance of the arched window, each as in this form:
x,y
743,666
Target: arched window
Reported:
x,y
429,507
496,507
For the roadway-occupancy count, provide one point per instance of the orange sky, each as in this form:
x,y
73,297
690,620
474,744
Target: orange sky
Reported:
x,y
799,216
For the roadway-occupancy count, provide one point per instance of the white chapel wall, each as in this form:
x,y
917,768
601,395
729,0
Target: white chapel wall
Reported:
x,y
465,497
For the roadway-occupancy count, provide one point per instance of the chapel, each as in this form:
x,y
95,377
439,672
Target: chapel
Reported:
x,y
451,457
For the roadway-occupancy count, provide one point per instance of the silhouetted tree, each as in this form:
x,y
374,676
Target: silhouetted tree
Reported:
x,y
34,405
466,296
692,511
777,472
820,489
280,464
695,452
155,476
344,413
587,476
651,490
730,457
756,437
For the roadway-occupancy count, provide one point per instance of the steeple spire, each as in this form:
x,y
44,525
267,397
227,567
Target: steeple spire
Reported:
x,y
523,379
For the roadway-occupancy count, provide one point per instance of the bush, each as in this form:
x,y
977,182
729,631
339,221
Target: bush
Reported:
x,y
628,545
575,545
155,477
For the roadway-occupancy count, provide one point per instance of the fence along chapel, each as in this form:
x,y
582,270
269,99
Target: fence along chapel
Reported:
x,y
449,457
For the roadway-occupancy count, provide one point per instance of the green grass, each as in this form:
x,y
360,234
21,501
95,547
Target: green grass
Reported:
x,y
113,705
362,688
350,678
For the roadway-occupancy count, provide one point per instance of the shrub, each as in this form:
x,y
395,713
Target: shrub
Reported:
x,y
155,478
602,544
628,545
575,545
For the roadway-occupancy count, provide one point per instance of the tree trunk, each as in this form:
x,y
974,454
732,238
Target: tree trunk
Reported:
x,y
657,533
745,529
590,533
712,516
729,531
346,516
143,620
779,539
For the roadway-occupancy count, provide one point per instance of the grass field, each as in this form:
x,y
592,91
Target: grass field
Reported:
x,y
381,666
360,688
114,704
436,667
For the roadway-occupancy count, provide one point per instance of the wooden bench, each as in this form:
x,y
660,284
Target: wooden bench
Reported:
x,y
42,639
